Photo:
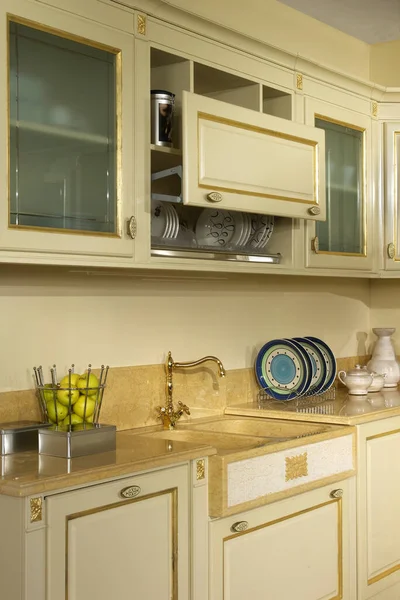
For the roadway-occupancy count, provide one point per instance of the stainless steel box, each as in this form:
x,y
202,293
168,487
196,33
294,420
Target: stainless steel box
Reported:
x,y
78,440
19,436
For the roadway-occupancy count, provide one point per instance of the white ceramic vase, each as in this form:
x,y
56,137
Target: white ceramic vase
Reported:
x,y
384,357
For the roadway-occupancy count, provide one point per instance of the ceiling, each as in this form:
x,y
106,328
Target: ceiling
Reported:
x,y
371,21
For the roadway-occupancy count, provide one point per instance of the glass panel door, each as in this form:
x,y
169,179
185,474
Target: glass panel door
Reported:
x,y
63,131
343,232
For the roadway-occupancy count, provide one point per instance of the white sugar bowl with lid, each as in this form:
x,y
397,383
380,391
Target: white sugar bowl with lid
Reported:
x,y
357,380
378,382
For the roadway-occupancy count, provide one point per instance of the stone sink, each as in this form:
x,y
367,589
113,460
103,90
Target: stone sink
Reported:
x,y
262,460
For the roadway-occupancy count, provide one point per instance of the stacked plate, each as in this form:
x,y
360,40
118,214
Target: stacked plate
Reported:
x,y
292,368
164,220
233,230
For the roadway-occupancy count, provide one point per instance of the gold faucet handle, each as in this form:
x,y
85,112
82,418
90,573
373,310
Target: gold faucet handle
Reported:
x,y
184,407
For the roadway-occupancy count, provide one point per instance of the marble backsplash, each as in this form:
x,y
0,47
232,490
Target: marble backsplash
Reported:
x,y
133,393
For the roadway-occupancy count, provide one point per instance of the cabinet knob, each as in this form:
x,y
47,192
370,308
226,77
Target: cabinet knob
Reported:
x,y
130,492
391,251
336,493
131,227
315,245
239,526
314,210
214,197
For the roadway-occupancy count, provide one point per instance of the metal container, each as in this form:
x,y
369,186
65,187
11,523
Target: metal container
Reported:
x,y
162,113
77,440
19,436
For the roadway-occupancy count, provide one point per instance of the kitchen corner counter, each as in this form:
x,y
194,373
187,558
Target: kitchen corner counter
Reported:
x,y
29,473
341,410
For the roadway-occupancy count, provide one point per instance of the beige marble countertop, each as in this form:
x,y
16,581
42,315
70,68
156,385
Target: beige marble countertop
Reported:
x,y
29,473
342,409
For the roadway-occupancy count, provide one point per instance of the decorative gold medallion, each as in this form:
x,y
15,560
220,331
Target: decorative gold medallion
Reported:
x,y
299,81
36,505
296,466
374,109
200,469
141,24
391,251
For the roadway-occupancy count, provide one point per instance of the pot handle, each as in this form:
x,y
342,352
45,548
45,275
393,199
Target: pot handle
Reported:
x,y
342,376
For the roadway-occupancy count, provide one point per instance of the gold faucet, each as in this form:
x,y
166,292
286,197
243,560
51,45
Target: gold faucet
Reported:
x,y
167,414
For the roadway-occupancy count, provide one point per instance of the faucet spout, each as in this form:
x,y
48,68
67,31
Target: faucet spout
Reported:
x,y
167,414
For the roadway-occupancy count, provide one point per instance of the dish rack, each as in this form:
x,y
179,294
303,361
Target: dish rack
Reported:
x,y
322,404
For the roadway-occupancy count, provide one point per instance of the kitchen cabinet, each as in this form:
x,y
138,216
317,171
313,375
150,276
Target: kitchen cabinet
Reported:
x,y
302,546
124,537
67,143
344,240
377,507
391,136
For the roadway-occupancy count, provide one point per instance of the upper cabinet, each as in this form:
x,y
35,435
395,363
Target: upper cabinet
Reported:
x,y
344,239
67,140
244,160
391,195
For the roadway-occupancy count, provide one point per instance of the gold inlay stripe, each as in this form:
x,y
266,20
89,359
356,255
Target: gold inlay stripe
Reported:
x,y
173,492
338,502
201,116
11,18
396,134
380,435
362,254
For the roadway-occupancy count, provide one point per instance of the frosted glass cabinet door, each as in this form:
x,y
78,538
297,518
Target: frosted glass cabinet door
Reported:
x,y
65,127
342,240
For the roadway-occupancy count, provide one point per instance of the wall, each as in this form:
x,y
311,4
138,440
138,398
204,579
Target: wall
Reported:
x,y
53,316
385,303
385,63
283,27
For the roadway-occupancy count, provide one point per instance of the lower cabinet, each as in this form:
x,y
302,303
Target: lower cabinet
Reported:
x,y
302,547
125,539
378,508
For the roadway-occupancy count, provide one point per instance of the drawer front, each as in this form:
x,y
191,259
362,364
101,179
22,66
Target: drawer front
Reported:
x,y
253,478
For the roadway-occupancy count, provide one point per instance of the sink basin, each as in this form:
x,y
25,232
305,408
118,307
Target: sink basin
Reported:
x,y
259,427
220,440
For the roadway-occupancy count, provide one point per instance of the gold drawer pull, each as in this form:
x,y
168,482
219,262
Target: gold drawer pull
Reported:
x,y
239,526
130,492
131,227
314,210
336,493
214,197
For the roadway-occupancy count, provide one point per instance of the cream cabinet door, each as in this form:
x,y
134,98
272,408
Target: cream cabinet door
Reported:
x,y
344,240
248,161
392,200
66,149
102,545
299,548
378,509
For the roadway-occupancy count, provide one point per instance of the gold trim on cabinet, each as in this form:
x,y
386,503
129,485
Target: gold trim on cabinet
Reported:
x,y
200,469
396,258
379,435
362,254
374,109
174,537
338,501
11,18
296,466
36,509
262,130
299,81
141,24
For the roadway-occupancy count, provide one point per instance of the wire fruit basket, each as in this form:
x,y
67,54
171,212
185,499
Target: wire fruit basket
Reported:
x,y
75,400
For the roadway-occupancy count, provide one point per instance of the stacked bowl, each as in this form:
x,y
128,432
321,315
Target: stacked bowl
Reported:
x,y
293,368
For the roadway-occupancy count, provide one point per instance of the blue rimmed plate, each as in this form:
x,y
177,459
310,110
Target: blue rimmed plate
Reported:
x,y
283,369
330,362
319,369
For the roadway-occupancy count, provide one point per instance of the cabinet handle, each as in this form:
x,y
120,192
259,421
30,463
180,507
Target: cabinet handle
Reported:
x,y
131,227
391,251
214,197
130,492
239,526
315,245
336,493
314,210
